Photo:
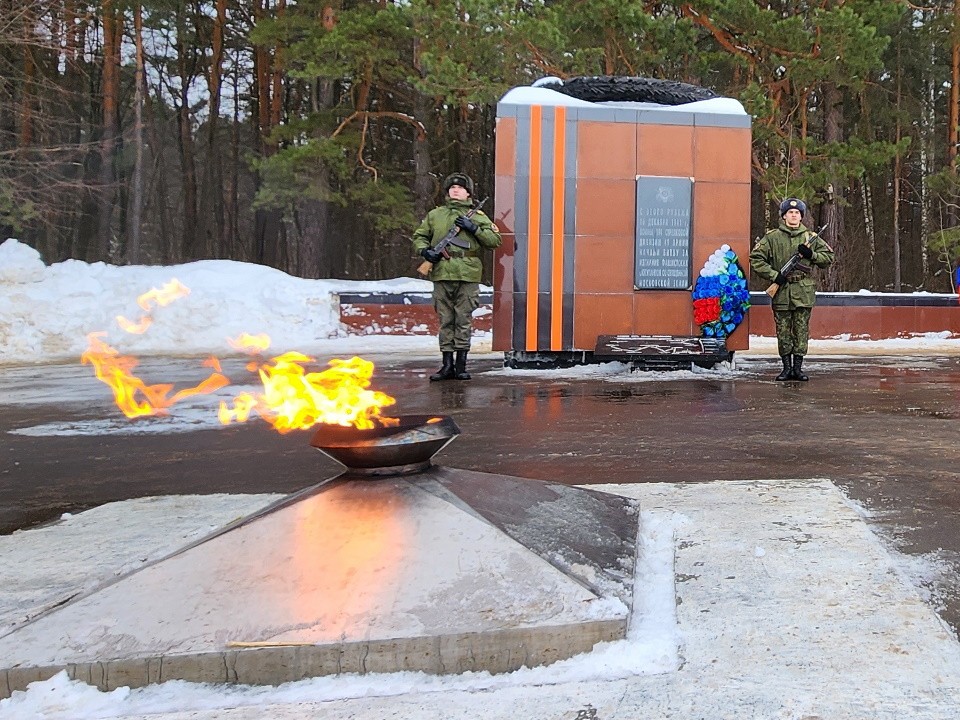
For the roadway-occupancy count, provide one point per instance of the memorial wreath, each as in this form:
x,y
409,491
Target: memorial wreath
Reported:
x,y
720,297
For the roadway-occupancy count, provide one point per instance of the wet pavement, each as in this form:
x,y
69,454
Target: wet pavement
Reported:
x,y
882,428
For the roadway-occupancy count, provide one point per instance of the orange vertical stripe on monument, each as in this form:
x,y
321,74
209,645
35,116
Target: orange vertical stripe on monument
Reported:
x,y
533,229
556,280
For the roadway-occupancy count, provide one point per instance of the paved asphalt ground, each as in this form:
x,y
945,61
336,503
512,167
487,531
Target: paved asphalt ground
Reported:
x,y
884,429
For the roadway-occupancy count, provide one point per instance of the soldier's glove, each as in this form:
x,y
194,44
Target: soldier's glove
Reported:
x,y
780,279
806,252
431,255
465,223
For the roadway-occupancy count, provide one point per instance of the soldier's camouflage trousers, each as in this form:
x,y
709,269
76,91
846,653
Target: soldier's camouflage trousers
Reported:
x,y
793,331
455,302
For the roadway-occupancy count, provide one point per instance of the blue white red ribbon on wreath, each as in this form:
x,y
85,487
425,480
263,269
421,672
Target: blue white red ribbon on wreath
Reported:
x,y
720,297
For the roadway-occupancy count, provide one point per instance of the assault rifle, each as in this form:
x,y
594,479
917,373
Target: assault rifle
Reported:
x,y
450,239
791,264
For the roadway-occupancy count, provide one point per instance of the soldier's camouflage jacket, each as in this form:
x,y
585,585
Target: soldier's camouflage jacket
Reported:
x,y
772,252
464,264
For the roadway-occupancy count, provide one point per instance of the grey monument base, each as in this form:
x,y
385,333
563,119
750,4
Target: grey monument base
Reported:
x,y
443,571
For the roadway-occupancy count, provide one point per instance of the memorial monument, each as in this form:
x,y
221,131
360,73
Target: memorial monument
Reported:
x,y
609,209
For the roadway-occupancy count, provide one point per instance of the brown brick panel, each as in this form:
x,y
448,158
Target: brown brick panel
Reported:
x,y
401,314
867,317
722,155
607,150
665,150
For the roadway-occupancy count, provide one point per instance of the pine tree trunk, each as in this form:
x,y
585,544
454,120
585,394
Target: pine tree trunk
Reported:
x,y
191,239
8,89
927,157
168,250
319,250
267,223
953,131
833,213
112,34
214,162
238,249
29,79
897,171
136,210
866,199
424,184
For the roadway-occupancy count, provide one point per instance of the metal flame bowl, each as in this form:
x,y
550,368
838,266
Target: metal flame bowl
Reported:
x,y
398,450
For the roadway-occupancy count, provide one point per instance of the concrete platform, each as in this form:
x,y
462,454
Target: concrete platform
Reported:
x,y
788,607
444,571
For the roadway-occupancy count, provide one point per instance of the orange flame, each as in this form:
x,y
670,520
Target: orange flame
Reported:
x,y
159,296
133,396
250,344
164,295
135,328
294,399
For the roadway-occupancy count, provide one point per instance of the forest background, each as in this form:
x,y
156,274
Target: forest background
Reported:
x,y
311,136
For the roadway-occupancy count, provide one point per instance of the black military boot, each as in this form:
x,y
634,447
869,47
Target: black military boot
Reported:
x,y
797,372
461,365
787,372
446,371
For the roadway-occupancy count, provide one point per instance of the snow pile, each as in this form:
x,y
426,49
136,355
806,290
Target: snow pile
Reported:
x,y
46,312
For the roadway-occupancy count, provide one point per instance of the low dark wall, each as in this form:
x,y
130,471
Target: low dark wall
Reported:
x,y
861,316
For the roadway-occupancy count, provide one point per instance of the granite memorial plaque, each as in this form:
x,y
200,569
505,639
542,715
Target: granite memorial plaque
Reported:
x,y
663,233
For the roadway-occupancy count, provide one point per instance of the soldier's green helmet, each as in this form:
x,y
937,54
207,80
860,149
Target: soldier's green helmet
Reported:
x,y
460,179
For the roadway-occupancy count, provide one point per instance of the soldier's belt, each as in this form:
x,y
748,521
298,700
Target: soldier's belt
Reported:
x,y
465,253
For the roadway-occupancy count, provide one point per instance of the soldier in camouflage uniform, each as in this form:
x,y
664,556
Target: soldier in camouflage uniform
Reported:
x,y
456,280
796,296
